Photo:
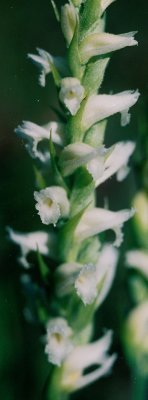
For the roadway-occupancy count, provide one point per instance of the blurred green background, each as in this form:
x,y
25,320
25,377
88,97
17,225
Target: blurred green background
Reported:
x,y
24,25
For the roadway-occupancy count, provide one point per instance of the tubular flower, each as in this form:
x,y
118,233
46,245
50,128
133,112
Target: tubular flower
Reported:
x,y
58,340
83,357
52,204
138,259
30,242
98,220
71,94
35,134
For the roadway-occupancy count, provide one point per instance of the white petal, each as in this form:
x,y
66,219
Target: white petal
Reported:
x,y
59,344
34,134
71,94
66,275
105,270
52,204
77,154
105,4
68,21
138,259
30,242
104,370
117,159
90,354
97,220
99,107
86,284
102,43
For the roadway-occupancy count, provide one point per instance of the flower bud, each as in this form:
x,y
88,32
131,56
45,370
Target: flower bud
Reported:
x,y
52,204
68,21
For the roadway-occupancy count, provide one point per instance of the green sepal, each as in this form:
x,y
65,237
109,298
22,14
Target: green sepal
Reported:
x,y
55,74
94,75
43,268
40,181
55,9
90,20
73,56
68,245
75,130
82,192
95,135
58,179
89,251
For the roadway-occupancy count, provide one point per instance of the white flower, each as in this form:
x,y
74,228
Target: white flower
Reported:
x,y
96,44
52,204
99,107
138,259
117,161
58,340
71,94
77,154
86,284
136,337
30,242
34,134
90,281
47,63
105,4
97,220
85,356
68,21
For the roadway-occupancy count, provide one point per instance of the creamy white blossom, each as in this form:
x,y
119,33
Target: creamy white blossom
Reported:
x,y
116,162
34,134
96,44
30,242
52,204
97,220
48,64
82,357
105,4
77,154
99,107
58,339
68,21
71,94
138,259
136,337
86,284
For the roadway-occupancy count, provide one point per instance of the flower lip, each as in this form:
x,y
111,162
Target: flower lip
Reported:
x,y
58,340
71,94
52,204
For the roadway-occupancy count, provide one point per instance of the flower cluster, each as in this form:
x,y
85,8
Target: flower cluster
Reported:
x,y
77,161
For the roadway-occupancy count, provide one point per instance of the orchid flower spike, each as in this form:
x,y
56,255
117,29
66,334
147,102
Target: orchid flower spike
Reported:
x,y
30,242
52,204
34,134
58,340
83,357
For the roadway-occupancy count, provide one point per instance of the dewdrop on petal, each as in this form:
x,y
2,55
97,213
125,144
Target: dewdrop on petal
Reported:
x,y
71,94
58,340
52,204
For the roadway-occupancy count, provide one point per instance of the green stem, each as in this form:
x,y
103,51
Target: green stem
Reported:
x,y
139,386
51,389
